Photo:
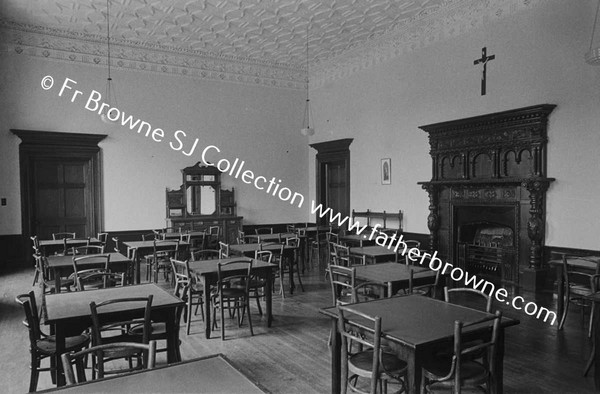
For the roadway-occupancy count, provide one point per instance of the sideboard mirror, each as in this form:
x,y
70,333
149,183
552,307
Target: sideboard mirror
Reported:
x,y
200,194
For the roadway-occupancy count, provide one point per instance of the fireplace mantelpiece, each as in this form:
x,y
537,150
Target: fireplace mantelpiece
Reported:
x,y
490,160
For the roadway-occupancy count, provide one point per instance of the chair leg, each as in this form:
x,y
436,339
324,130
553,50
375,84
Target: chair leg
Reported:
x,y
222,321
591,327
590,362
249,317
35,373
565,310
257,295
299,278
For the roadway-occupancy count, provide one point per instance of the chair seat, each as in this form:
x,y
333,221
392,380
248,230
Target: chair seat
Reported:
x,y
156,329
48,345
472,372
439,388
362,362
577,290
233,292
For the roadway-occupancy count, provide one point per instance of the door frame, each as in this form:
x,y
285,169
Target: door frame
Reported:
x,y
328,152
37,144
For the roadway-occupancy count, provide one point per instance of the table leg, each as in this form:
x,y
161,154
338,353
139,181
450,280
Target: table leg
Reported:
x,y
59,332
172,326
290,262
559,291
206,295
336,361
57,281
269,297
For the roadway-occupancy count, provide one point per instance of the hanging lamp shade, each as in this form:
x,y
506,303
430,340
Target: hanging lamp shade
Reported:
x,y
592,56
110,97
306,129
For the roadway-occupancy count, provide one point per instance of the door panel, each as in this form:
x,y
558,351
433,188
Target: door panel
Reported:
x,y
336,190
61,193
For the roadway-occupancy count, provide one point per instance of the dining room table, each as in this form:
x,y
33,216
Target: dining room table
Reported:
x,y
359,240
68,314
206,272
374,254
209,374
139,249
589,264
51,246
413,326
61,266
395,276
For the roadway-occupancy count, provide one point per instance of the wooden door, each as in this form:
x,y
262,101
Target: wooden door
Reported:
x,y
61,197
61,177
333,177
335,188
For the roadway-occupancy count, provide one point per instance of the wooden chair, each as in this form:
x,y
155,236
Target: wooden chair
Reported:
x,y
370,361
577,285
427,286
42,346
87,249
234,299
463,370
318,247
241,237
205,254
342,280
410,244
468,296
163,252
187,288
214,237
223,250
48,284
146,351
263,230
332,239
103,238
63,235
369,291
110,328
292,243
92,276
256,287
290,228
35,244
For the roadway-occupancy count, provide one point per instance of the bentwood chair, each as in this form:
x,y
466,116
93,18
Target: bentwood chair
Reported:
x,y
160,260
35,244
223,250
63,235
462,370
370,362
369,291
115,328
410,244
103,238
577,285
205,254
146,351
469,297
49,284
90,277
342,280
214,237
42,346
263,230
293,257
234,299
87,249
188,289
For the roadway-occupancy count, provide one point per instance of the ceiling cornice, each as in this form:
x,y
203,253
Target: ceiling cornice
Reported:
x,y
454,18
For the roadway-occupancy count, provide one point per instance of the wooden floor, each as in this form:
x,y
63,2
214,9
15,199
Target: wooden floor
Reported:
x,y
292,356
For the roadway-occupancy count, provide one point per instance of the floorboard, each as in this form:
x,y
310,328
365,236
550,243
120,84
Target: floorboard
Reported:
x,y
293,357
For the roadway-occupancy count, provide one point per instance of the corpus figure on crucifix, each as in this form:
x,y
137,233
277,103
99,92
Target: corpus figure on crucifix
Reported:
x,y
484,59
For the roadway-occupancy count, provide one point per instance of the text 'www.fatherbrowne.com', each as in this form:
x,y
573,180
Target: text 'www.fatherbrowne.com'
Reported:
x,y
396,244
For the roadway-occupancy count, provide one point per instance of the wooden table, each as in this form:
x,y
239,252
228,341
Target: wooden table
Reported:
x,y
413,325
211,374
68,314
592,267
356,239
375,253
62,266
207,273
50,246
249,250
394,275
137,249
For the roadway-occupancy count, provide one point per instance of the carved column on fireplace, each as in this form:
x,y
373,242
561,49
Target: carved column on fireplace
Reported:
x,y
535,225
433,220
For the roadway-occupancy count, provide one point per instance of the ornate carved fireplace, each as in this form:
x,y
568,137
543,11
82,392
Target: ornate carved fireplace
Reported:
x,y
487,191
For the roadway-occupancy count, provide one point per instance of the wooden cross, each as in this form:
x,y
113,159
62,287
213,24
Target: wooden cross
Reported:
x,y
484,59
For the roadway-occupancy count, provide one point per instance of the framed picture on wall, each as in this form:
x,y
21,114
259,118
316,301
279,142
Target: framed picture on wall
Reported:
x,y
386,171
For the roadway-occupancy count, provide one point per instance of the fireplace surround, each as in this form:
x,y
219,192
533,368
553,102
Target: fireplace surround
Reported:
x,y
489,177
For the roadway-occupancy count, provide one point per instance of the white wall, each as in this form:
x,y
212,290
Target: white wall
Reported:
x,y
256,124
539,59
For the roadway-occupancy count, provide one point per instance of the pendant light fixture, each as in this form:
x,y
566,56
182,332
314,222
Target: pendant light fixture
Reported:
x,y
593,55
110,97
306,129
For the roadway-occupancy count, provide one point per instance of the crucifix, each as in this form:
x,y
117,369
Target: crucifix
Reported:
x,y
484,59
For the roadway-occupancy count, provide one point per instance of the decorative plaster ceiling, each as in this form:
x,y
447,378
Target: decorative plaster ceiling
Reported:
x,y
241,40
